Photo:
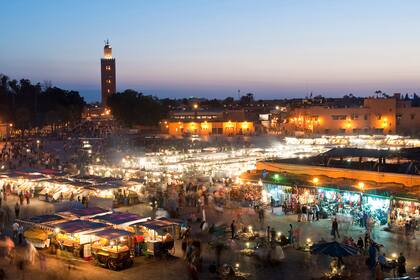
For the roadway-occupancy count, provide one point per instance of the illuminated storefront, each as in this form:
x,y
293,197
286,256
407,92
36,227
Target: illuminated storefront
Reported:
x,y
277,194
403,210
376,207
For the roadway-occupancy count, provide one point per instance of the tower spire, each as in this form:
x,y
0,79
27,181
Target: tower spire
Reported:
x,y
108,79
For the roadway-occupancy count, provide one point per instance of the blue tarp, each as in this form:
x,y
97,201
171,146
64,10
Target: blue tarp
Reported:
x,y
84,212
157,224
43,219
118,218
79,226
334,249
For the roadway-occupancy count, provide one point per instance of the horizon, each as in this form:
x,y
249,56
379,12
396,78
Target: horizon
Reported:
x,y
212,49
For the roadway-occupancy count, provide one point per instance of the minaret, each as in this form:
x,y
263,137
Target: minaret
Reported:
x,y
108,79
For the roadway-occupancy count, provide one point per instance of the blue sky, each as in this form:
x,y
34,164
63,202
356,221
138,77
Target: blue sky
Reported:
x,y
212,48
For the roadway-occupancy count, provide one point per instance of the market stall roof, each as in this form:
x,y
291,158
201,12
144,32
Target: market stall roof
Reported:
x,y
79,226
67,182
45,171
85,212
157,224
97,179
136,181
29,176
119,218
410,153
112,233
407,153
45,219
356,152
109,185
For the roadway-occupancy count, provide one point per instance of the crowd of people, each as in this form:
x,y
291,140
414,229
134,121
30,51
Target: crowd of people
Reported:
x,y
27,152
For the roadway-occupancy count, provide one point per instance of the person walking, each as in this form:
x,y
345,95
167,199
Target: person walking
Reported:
x,y
273,234
373,253
290,234
233,229
401,265
27,196
20,234
360,244
21,198
334,229
17,210
296,237
15,228
367,239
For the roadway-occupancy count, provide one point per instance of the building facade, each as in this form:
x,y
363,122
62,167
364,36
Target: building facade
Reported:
x,y
108,77
375,116
205,123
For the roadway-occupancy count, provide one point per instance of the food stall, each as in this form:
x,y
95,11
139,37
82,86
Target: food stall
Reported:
x,y
279,194
403,209
121,220
246,194
57,189
377,207
16,182
112,248
158,234
76,237
339,201
83,213
119,191
39,229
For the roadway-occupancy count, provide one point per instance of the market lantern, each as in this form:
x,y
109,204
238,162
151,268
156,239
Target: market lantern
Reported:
x,y
361,185
315,181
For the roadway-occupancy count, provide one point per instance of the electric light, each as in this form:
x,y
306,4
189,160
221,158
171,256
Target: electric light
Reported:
x,y
315,180
361,185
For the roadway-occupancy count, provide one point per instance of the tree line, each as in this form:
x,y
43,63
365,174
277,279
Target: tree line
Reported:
x,y
134,108
29,106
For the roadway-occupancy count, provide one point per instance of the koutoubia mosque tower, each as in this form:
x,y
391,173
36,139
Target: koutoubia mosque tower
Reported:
x,y
108,78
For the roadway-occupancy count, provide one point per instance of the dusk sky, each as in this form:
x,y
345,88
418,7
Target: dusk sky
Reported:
x,y
212,48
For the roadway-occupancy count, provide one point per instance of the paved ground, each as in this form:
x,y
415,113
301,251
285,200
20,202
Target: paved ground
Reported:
x,y
297,265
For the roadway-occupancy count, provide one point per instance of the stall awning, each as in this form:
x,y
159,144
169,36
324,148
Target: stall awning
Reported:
x,y
18,175
158,224
45,219
86,212
112,233
79,226
356,152
119,218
